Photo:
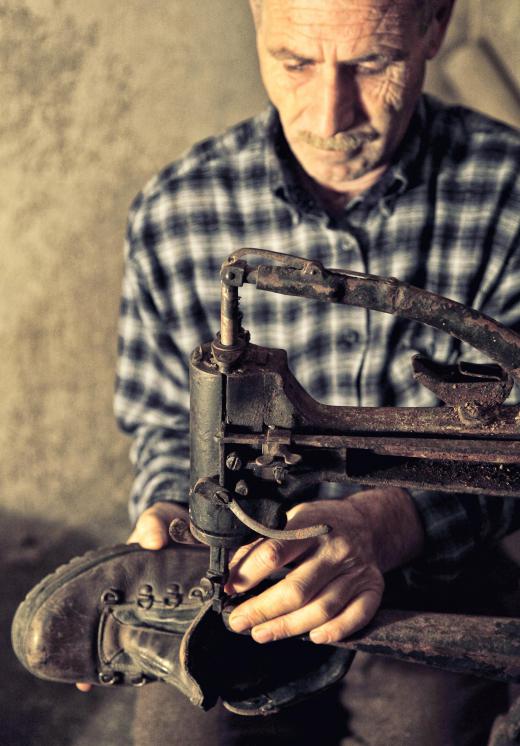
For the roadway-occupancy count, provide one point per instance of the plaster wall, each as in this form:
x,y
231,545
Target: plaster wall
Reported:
x,y
95,98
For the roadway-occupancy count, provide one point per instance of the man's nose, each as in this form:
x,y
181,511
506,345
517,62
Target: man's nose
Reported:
x,y
338,103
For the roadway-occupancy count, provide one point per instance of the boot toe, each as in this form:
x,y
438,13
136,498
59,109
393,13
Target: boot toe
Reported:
x,y
56,630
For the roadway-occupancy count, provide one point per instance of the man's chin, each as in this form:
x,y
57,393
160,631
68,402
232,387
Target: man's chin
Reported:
x,y
339,176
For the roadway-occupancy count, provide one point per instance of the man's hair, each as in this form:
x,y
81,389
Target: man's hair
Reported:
x,y
425,7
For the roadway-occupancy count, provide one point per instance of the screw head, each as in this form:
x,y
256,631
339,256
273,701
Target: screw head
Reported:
x,y
111,596
234,462
108,678
241,488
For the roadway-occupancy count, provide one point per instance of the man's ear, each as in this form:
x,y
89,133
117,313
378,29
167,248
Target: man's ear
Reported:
x,y
256,10
438,26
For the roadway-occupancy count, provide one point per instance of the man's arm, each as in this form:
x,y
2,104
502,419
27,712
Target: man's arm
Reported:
x,y
336,582
158,328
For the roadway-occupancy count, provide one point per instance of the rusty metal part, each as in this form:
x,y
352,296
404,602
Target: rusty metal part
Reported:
x,y
258,440
286,534
179,530
299,276
486,385
482,646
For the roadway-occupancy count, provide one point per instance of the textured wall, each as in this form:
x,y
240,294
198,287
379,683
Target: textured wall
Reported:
x,y
96,96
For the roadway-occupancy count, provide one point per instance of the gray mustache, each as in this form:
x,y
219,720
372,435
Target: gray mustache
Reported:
x,y
341,141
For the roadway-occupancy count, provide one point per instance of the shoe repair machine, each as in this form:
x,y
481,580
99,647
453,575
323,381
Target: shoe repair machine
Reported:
x,y
259,443
258,440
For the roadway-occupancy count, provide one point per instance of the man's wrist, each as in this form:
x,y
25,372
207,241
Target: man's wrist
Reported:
x,y
396,529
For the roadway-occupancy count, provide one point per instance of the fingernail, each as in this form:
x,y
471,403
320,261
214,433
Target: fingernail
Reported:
x,y
261,635
319,636
153,541
239,623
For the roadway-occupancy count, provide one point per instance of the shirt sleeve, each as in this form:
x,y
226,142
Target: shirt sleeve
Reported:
x,y
151,397
457,525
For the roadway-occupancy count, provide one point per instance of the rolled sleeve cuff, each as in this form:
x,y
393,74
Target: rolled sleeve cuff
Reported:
x,y
452,526
158,489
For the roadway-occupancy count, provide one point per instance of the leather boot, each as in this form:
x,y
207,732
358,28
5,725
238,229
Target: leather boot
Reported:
x,y
124,615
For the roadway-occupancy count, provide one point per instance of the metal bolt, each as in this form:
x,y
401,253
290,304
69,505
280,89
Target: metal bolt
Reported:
x,y
111,596
174,595
202,592
108,678
145,597
222,497
234,462
279,474
241,488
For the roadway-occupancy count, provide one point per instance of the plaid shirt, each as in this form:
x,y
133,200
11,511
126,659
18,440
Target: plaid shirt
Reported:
x,y
445,217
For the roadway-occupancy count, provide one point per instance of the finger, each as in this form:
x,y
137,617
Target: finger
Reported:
x,y
264,558
83,687
151,530
286,596
357,615
322,607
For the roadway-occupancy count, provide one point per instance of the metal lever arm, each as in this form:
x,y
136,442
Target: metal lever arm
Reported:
x,y
301,277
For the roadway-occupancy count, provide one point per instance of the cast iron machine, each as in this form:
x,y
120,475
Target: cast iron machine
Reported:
x,y
259,441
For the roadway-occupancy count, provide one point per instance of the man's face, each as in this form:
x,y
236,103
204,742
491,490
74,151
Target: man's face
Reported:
x,y
345,76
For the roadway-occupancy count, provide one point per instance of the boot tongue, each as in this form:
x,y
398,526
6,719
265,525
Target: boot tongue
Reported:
x,y
128,644
207,661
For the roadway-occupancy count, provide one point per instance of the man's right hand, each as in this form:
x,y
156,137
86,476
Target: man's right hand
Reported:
x,y
151,532
151,529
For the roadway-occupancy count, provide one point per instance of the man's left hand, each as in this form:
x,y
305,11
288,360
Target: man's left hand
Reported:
x,y
336,582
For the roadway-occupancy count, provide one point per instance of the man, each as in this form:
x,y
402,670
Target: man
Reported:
x,y
354,168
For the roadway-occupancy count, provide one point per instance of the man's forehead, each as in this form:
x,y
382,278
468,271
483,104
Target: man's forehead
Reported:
x,y
343,11
306,22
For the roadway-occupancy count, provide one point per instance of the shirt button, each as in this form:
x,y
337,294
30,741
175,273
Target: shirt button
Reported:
x,y
349,338
350,243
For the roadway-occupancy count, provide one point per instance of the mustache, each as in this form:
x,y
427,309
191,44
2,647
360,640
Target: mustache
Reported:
x,y
343,142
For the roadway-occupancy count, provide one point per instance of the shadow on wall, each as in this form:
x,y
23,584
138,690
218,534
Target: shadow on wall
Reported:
x,y
35,712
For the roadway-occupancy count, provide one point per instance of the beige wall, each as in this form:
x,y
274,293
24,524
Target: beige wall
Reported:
x,y
95,96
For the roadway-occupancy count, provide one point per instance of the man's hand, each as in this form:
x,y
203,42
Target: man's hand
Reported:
x,y
335,585
151,532
151,529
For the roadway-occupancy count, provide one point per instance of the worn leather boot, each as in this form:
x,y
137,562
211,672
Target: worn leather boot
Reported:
x,y
126,615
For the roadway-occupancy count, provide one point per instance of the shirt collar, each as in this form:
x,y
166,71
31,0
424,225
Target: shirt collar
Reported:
x,y
403,172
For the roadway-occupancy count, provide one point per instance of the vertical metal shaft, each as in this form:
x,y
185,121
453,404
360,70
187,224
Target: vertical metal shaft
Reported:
x,y
229,316
218,574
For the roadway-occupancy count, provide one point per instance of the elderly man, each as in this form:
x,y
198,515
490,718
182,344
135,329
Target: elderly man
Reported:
x,y
352,166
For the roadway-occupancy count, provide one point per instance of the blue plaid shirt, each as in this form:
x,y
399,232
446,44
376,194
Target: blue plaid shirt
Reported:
x,y
445,216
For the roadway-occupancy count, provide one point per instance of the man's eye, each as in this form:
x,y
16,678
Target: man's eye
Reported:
x,y
372,68
296,67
